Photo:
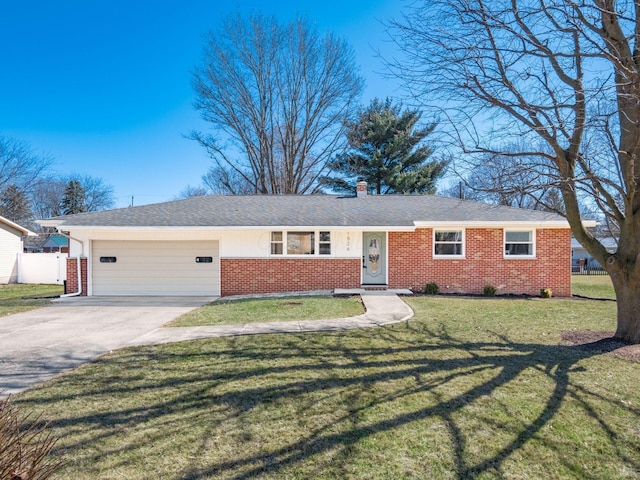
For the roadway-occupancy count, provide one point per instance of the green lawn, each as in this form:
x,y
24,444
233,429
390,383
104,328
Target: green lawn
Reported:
x,y
594,286
271,309
14,297
469,388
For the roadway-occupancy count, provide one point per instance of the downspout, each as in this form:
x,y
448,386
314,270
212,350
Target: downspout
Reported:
x,y
78,264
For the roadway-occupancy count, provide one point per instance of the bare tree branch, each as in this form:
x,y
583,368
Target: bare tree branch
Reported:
x,y
565,73
19,164
277,96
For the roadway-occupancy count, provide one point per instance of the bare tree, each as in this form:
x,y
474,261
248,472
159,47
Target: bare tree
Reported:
x,y
276,96
19,164
46,197
227,181
565,73
48,193
510,180
98,194
191,191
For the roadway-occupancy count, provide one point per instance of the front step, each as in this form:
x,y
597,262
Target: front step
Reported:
x,y
372,290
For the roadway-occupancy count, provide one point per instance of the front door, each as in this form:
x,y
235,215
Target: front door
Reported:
x,y
374,258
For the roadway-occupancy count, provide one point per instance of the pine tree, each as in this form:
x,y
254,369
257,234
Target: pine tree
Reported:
x,y
74,199
387,151
15,205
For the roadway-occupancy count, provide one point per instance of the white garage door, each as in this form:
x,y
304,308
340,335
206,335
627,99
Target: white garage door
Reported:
x,y
155,268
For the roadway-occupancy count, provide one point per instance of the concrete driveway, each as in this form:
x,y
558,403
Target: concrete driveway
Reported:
x,y
38,345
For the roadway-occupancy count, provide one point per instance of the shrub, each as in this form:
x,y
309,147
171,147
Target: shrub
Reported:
x,y
489,290
25,445
546,293
431,288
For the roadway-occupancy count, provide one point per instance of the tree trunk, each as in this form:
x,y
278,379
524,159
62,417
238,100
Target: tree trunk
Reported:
x,y
627,287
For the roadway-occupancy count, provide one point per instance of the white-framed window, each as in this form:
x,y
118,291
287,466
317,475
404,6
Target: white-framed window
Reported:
x,y
300,243
448,243
324,243
276,243
519,243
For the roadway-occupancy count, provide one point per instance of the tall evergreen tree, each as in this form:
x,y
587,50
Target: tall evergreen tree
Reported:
x,y
74,199
387,150
15,205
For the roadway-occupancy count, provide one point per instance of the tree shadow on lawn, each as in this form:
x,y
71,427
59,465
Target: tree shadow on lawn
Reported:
x,y
368,370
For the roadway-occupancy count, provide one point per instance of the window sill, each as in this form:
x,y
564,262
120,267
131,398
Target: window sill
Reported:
x,y
520,257
449,257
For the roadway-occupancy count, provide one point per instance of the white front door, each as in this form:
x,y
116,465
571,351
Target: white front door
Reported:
x,y
374,258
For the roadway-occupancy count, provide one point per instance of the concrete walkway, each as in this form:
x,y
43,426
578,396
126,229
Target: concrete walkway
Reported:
x,y
382,308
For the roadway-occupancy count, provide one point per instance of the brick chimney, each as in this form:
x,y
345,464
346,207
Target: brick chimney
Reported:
x,y
361,189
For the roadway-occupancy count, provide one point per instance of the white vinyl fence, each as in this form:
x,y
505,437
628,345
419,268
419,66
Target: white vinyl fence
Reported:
x,y
42,267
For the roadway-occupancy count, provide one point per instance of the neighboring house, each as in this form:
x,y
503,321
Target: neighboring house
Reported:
x,y
581,258
228,245
46,243
56,244
11,244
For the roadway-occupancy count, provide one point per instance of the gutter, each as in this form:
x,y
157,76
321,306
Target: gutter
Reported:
x,y
78,264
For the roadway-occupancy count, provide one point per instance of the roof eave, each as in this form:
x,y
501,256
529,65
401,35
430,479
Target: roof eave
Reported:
x,y
124,228
49,222
495,224
25,231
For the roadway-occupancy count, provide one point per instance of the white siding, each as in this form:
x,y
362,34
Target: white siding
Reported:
x,y
155,268
10,246
233,243
257,243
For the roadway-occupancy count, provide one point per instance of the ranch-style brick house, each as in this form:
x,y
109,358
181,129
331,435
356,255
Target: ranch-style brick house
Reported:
x,y
229,245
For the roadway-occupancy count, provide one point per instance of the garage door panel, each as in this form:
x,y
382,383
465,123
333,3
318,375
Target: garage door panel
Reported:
x,y
155,268
146,255
148,289
135,279
141,269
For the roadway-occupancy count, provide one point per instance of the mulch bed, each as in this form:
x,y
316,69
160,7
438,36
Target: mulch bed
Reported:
x,y
601,342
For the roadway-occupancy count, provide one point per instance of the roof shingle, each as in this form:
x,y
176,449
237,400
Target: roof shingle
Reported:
x,y
304,210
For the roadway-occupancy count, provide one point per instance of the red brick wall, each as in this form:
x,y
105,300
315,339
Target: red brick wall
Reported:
x,y
72,275
411,263
267,275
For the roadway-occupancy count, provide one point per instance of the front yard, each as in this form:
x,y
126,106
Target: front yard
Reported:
x,y
15,298
468,388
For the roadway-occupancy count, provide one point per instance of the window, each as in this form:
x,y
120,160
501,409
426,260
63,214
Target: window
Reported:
x,y
448,243
301,243
276,243
107,259
519,243
325,243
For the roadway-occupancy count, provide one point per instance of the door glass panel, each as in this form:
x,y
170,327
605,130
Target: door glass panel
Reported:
x,y
374,254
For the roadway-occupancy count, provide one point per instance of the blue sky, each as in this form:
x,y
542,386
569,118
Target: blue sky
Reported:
x,y
105,87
